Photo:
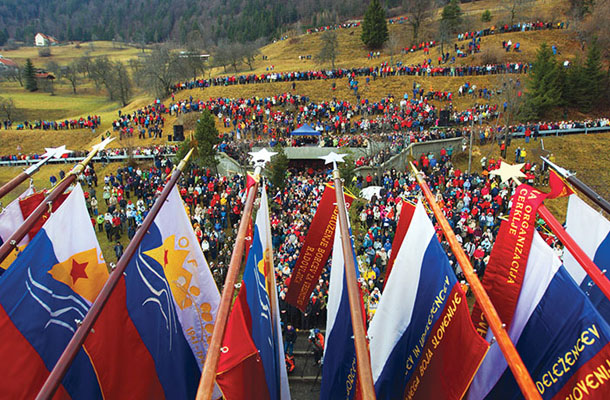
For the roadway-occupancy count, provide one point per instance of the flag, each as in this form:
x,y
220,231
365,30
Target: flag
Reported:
x,y
339,375
591,231
404,221
562,339
423,343
316,249
255,317
30,203
11,219
160,317
507,263
43,295
559,187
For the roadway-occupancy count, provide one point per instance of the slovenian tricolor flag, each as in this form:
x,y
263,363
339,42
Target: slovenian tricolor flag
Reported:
x,y
151,338
11,218
252,363
559,334
423,343
592,233
339,366
47,290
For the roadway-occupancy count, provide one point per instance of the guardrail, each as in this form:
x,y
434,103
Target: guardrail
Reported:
x,y
74,160
572,131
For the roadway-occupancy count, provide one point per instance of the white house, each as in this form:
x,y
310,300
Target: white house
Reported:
x,y
42,40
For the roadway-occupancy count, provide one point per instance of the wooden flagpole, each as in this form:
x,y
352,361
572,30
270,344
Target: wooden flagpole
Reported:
x,y
16,181
210,366
43,207
365,376
522,376
61,367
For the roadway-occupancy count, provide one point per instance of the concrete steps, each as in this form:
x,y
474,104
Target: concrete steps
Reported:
x,y
305,379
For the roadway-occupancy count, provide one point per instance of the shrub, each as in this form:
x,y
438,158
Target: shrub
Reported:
x,y
44,52
486,16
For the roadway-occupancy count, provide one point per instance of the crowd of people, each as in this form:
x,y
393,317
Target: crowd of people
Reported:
x,y
90,122
517,27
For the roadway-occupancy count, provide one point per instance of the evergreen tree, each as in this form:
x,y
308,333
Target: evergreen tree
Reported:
x,y
451,17
207,138
29,74
278,168
575,87
543,82
595,77
374,26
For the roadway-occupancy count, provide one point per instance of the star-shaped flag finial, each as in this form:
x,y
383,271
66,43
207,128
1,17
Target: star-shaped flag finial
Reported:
x,y
334,158
262,156
101,146
507,171
56,152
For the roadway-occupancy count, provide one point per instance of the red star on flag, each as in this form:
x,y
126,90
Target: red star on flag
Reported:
x,y
78,270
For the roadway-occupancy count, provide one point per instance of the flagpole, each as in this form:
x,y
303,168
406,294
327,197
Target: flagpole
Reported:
x,y
580,185
365,376
585,262
208,375
43,207
22,176
61,367
522,376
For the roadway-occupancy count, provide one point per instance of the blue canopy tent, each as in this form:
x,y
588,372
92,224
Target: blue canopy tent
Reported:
x,y
305,130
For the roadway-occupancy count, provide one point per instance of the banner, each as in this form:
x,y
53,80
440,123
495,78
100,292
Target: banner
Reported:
x,y
404,220
506,268
316,249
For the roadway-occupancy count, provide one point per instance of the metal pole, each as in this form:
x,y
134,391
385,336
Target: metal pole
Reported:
x,y
585,262
61,367
522,376
208,375
365,376
580,185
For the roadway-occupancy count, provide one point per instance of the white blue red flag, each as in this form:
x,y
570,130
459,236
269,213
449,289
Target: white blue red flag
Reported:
x,y
423,343
592,233
561,337
43,295
159,319
11,218
255,325
339,376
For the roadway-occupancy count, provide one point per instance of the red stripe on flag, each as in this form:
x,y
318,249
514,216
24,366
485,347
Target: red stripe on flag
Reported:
x,y
121,360
240,368
404,221
22,371
452,342
30,203
590,381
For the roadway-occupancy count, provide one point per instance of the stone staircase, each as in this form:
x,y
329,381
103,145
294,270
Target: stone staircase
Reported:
x,y
305,379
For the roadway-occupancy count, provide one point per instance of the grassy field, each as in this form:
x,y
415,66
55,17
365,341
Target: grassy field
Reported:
x,y
65,54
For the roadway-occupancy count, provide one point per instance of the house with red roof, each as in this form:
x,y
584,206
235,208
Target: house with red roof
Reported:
x,y
41,40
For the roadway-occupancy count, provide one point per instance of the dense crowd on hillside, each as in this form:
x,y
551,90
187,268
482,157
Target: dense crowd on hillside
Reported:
x,y
472,203
91,122
516,27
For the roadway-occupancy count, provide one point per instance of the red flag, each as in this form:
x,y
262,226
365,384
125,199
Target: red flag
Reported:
x,y
240,373
559,187
506,268
404,220
29,204
316,249
248,238
250,181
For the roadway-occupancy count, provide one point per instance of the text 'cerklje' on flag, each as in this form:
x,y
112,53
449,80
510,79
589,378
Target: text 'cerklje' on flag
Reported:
x,y
252,364
339,374
423,343
592,233
560,336
159,319
43,295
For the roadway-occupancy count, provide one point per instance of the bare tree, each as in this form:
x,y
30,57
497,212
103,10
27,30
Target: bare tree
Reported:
x,y
329,49
515,8
159,70
121,82
70,72
251,50
8,108
418,11
393,46
15,74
